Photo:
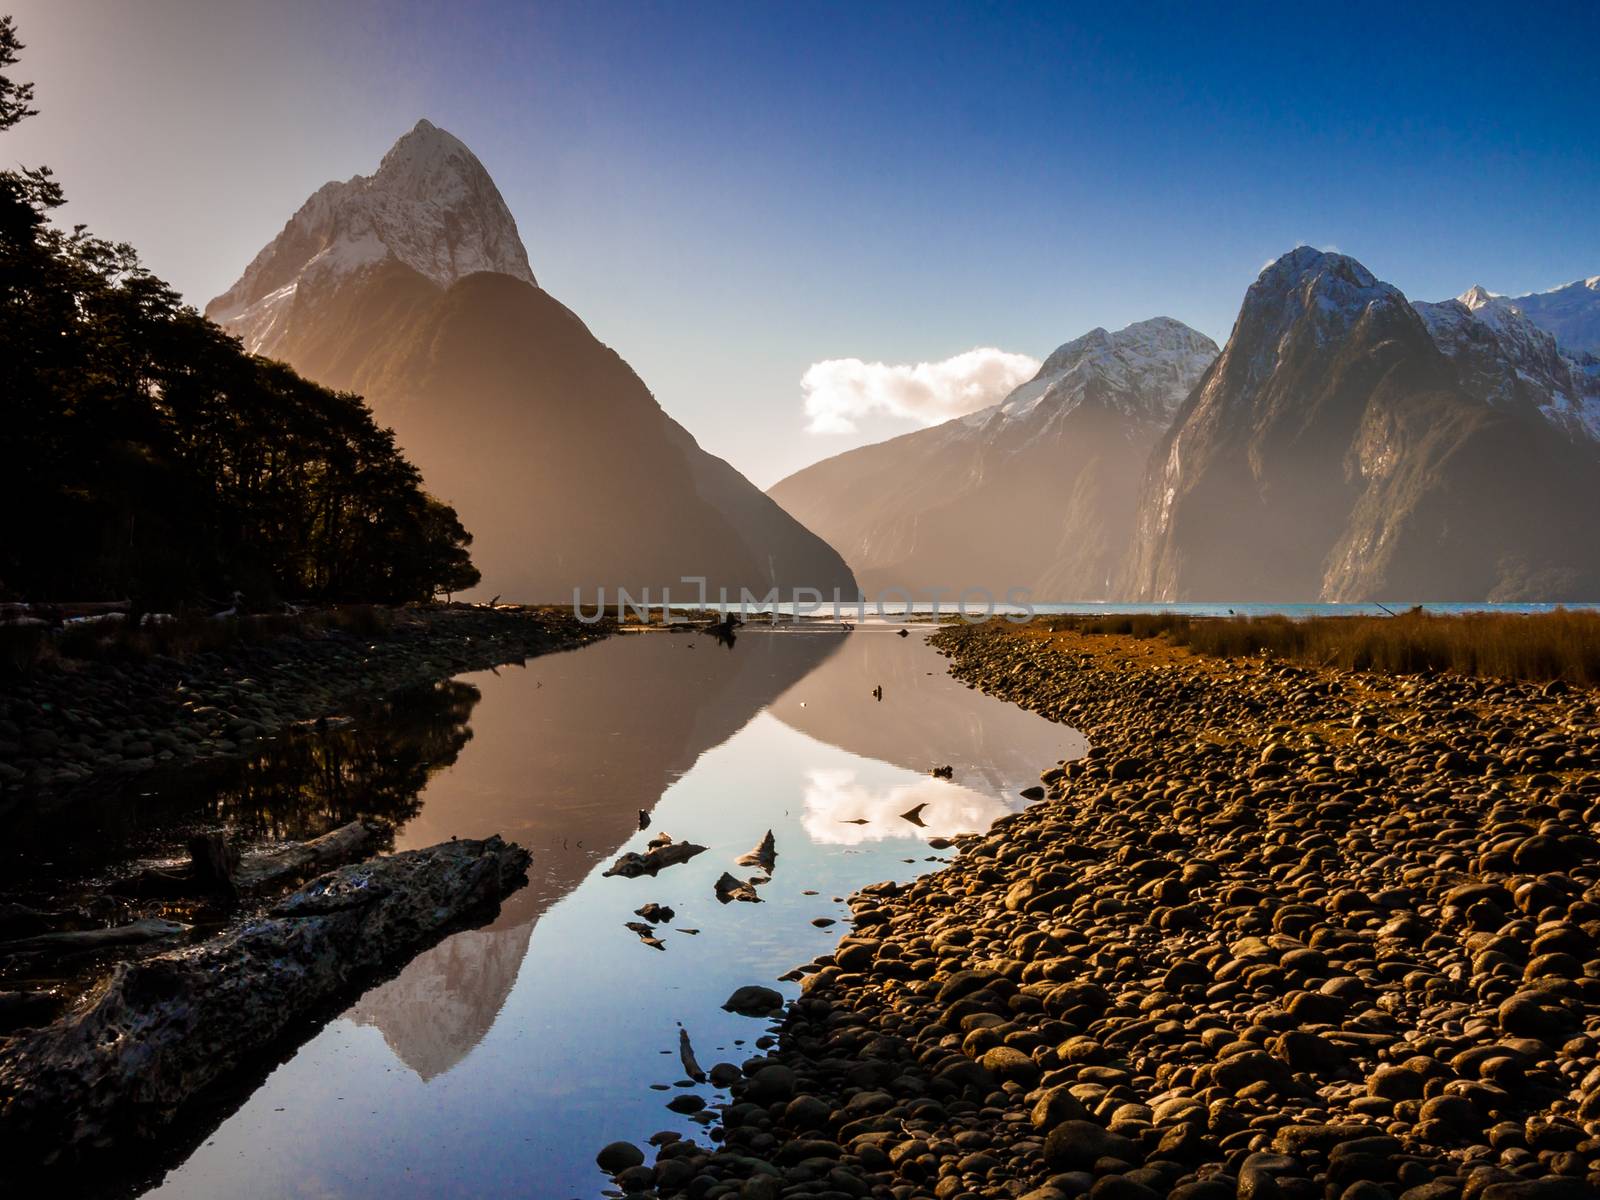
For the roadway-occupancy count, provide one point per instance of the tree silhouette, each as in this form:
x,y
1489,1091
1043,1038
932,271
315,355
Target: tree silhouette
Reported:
x,y
144,454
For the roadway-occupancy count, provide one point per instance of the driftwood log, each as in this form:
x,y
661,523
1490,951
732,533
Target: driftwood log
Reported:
x,y
301,860
691,1067
135,933
169,1027
215,869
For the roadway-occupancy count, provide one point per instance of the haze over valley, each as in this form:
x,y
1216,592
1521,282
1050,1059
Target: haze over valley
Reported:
x,y
412,287
1344,444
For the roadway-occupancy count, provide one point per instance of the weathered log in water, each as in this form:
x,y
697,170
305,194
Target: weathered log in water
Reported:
x,y
691,1067
170,1027
80,941
300,860
214,869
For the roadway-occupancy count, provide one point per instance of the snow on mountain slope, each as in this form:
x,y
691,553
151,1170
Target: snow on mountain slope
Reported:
x,y
1509,359
1570,313
1037,491
1145,370
430,205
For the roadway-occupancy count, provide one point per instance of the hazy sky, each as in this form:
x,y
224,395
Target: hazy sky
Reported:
x,y
731,194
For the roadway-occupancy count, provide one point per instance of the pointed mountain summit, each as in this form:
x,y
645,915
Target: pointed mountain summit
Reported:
x,y
412,287
429,206
1334,452
1036,492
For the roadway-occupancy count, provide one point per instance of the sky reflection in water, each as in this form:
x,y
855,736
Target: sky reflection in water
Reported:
x,y
498,1062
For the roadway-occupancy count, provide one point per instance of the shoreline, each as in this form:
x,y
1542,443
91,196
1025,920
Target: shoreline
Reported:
x,y
1285,932
69,727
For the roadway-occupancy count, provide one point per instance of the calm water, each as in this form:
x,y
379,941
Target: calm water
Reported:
x,y
497,1063
891,609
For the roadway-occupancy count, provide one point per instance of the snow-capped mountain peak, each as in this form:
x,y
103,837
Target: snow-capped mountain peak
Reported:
x,y
430,205
1310,297
1569,313
1145,370
1333,290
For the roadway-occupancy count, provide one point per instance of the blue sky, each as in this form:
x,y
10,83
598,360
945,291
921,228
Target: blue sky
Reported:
x,y
730,193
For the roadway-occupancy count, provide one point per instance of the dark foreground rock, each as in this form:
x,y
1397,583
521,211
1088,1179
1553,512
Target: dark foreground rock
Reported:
x,y
168,1028
1285,934
661,853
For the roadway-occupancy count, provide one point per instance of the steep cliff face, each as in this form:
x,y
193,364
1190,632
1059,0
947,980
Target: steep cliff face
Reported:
x,y
413,288
1334,452
1037,492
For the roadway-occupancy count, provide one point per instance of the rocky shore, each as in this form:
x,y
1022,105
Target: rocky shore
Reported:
x,y
1286,933
63,725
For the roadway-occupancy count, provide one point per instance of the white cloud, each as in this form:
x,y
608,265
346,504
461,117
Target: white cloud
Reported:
x,y
841,391
841,811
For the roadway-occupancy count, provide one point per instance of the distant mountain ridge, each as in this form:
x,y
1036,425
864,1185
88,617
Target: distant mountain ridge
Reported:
x,y
1035,492
1507,359
1345,444
1569,313
412,287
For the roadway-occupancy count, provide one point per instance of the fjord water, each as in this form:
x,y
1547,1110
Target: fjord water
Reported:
x,y
498,1062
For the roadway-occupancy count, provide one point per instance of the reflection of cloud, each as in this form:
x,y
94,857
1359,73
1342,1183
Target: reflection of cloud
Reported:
x,y
840,391
834,802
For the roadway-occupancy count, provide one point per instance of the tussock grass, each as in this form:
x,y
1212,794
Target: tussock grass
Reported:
x,y
1539,646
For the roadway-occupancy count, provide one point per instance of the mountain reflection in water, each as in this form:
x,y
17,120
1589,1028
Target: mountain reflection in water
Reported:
x,y
572,750
496,1063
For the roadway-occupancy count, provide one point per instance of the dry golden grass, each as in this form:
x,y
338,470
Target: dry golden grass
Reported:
x,y
1541,646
